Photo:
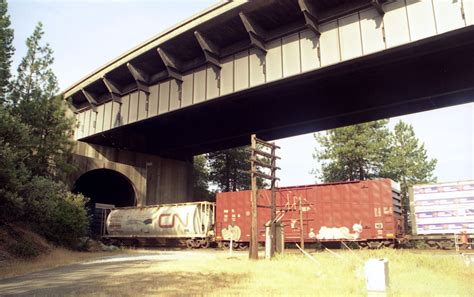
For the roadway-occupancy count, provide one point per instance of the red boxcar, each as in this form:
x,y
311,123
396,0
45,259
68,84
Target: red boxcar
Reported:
x,y
364,211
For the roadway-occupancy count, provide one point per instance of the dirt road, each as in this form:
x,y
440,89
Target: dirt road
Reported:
x,y
96,277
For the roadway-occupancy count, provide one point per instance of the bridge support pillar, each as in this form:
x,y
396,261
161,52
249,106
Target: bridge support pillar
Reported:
x,y
156,180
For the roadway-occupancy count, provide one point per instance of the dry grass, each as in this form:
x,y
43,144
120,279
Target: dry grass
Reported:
x,y
57,257
411,274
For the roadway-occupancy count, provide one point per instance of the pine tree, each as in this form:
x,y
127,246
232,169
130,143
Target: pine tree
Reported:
x,y
353,153
6,49
34,148
13,172
408,162
201,179
229,169
35,79
34,100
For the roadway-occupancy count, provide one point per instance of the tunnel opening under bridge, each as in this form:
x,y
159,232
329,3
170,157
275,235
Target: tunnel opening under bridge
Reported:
x,y
105,189
106,186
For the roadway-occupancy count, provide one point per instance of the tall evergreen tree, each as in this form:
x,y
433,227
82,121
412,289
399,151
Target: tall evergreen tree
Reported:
x,y
353,153
201,179
35,80
34,100
14,135
408,162
6,49
34,147
229,169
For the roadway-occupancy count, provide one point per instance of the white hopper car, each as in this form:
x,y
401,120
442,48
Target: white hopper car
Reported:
x,y
191,222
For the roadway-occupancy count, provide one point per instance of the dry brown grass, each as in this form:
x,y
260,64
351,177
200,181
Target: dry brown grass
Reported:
x,y
412,274
57,257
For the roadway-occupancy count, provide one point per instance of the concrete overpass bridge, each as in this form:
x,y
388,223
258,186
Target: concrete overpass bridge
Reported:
x,y
276,68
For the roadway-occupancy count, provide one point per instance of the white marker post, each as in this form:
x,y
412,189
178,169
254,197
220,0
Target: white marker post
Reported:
x,y
376,274
268,241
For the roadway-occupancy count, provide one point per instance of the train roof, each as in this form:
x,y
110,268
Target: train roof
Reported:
x,y
332,183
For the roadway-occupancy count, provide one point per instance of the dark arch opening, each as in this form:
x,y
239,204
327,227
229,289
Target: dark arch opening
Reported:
x,y
105,186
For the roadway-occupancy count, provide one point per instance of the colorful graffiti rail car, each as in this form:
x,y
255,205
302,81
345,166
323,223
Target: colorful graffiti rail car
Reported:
x,y
438,211
367,212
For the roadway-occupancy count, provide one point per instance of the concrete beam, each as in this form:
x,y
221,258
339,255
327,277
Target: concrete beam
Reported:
x,y
71,105
141,78
378,6
91,98
256,33
173,66
310,16
211,51
114,90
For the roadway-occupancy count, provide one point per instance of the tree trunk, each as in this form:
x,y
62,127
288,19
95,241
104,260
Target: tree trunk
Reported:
x,y
361,172
227,173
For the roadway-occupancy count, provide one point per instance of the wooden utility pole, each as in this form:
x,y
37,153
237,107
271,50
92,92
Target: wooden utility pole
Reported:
x,y
253,252
273,206
301,226
254,161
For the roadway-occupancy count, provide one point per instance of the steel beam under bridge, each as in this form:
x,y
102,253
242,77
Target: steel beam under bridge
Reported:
x,y
430,73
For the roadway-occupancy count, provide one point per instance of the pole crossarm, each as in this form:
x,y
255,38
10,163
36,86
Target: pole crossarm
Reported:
x,y
267,144
263,175
265,154
266,165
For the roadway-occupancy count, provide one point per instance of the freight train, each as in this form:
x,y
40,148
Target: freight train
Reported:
x,y
367,213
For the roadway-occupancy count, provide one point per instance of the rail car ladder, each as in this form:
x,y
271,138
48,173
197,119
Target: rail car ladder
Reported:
x,y
99,219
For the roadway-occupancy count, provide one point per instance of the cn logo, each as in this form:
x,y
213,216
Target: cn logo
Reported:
x,y
164,220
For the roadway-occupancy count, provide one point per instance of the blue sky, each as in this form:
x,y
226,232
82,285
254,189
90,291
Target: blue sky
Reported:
x,y
87,34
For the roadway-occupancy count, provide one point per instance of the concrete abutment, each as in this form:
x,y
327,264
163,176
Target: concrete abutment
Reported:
x,y
152,179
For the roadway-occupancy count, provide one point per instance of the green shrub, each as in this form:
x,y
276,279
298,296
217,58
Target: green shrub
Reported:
x,y
57,214
23,249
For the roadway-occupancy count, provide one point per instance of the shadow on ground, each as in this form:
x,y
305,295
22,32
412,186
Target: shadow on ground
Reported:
x,y
119,279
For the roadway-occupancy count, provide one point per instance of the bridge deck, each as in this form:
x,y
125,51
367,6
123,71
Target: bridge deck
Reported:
x,y
262,67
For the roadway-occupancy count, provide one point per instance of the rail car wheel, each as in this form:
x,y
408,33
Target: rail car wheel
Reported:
x,y
204,243
445,244
226,244
189,243
432,244
375,244
389,244
243,245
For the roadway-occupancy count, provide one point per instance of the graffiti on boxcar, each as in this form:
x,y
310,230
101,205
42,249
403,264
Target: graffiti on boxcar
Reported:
x,y
339,233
